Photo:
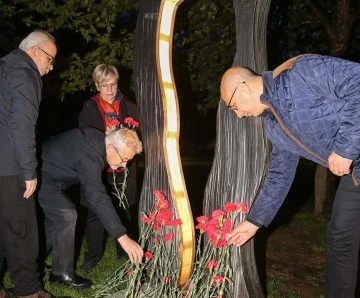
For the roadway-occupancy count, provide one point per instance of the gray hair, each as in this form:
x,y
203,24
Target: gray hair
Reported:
x,y
36,38
124,137
104,72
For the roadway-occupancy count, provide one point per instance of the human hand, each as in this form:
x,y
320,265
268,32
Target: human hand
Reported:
x,y
30,186
132,248
339,165
241,233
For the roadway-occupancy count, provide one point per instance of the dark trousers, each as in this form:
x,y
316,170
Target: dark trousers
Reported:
x,y
60,227
19,241
60,224
343,241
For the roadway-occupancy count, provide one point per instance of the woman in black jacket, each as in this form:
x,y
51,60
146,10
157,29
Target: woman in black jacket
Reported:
x,y
105,111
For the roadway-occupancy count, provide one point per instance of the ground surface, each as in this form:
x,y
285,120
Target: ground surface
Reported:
x,y
295,264
291,253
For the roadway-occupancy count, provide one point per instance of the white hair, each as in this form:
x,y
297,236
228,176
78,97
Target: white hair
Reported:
x,y
124,137
36,38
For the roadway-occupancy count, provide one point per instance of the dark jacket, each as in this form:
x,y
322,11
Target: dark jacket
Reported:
x,y
92,115
314,109
20,95
79,157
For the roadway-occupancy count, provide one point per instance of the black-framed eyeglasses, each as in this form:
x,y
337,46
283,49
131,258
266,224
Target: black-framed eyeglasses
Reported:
x,y
232,95
122,159
52,58
231,98
111,86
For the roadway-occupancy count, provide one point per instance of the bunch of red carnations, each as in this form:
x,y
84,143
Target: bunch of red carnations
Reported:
x,y
158,275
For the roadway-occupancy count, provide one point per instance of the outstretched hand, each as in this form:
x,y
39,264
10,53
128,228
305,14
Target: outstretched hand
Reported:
x,y
132,248
243,232
339,165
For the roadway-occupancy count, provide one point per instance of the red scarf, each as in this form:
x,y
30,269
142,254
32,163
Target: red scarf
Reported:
x,y
111,111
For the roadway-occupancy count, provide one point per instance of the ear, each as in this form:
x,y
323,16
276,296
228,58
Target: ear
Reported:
x,y
109,149
32,52
244,88
97,86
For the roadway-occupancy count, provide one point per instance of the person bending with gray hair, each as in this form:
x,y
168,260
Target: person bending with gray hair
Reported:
x,y
79,156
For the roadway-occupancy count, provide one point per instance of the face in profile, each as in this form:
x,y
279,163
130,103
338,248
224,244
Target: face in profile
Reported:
x,y
118,158
239,101
45,57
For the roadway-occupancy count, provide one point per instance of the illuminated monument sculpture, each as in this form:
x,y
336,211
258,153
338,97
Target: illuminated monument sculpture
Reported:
x,y
240,154
159,116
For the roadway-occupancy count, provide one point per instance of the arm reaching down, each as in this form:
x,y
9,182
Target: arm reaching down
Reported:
x,y
132,248
242,233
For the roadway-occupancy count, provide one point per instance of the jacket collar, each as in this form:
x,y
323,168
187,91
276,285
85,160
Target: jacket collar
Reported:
x,y
269,87
119,96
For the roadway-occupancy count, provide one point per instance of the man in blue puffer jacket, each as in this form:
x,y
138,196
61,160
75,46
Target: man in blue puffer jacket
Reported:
x,y
311,108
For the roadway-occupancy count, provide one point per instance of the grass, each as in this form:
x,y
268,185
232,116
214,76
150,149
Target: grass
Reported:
x,y
108,264
275,285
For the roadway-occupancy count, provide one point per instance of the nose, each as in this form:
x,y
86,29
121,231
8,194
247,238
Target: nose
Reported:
x,y
239,114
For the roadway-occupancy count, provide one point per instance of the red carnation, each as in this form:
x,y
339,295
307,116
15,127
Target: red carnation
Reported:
x,y
162,203
175,222
218,213
159,194
148,255
144,218
202,220
218,279
114,122
169,236
230,207
131,121
242,207
211,264
226,228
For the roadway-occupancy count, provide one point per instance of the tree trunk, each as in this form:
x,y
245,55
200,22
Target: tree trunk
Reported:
x,y
241,150
325,189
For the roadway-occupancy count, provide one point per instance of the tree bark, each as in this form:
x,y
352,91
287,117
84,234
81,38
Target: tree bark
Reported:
x,y
325,189
241,149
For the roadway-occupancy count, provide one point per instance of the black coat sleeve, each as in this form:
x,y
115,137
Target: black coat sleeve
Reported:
x,y
95,193
25,92
90,116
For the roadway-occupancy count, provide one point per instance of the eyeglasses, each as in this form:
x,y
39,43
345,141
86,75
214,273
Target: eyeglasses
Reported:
x,y
232,95
123,160
52,58
111,86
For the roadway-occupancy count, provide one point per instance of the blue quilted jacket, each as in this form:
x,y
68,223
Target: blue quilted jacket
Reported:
x,y
314,109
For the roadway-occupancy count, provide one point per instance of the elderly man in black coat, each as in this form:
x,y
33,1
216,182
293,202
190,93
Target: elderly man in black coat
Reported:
x,y
20,96
79,156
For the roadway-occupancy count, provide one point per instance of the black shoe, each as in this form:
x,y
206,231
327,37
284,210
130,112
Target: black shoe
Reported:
x,y
71,279
88,265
